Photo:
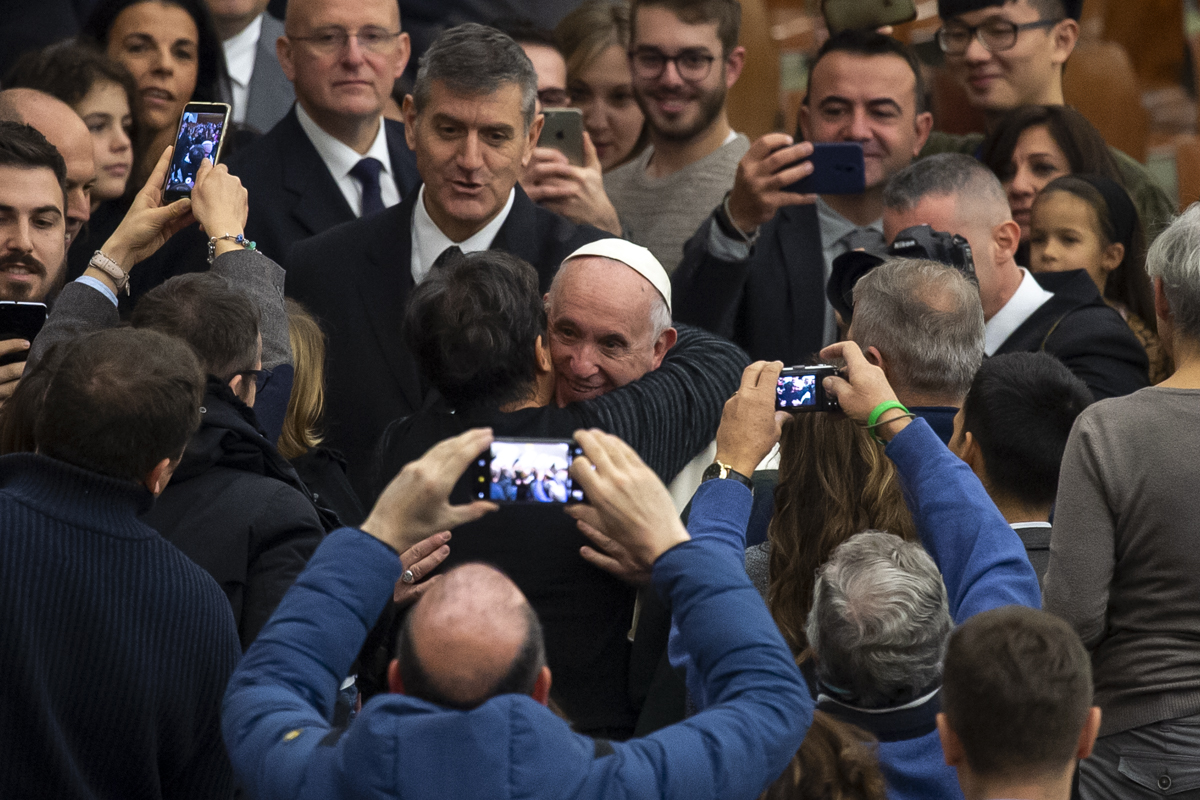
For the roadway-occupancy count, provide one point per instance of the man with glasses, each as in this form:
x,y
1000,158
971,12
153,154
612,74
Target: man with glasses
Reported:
x,y
684,58
1010,53
333,158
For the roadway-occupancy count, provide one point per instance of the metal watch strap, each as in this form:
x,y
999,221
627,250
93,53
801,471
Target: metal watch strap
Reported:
x,y
719,470
112,269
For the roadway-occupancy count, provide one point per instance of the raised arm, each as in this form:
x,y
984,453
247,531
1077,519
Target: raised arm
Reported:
x,y
981,558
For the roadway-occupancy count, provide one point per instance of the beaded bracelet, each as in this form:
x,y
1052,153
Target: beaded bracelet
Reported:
x,y
238,238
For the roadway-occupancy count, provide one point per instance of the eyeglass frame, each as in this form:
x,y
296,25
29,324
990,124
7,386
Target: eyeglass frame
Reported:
x,y
344,36
973,32
666,59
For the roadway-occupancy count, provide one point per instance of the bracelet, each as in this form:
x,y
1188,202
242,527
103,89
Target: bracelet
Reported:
x,y
873,420
725,222
238,238
112,269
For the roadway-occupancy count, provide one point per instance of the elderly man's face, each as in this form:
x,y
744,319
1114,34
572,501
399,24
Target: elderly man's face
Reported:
x,y
32,233
601,331
471,150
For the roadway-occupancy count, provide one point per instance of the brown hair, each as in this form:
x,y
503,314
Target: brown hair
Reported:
x,y
1081,143
834,482
836,761
726,13
302,424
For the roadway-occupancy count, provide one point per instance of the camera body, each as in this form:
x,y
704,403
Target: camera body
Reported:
x,y
802,389
922,241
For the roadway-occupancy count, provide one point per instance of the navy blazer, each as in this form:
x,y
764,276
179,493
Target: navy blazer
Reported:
x,y
292,194
772,305
356,279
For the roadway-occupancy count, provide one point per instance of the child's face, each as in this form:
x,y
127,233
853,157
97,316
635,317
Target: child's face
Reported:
x,y
1065,235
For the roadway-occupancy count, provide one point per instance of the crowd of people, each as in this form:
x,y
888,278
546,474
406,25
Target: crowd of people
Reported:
x,y
407,456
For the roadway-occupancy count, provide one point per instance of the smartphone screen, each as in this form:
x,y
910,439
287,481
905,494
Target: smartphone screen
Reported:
x,y
201,131
20,321
528,471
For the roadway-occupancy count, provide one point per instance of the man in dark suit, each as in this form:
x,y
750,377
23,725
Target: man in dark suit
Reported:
x,y
472,122
755,271
1055,312
333,158
262,94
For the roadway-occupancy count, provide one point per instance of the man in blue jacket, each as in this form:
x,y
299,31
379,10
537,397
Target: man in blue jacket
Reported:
x,y
472,725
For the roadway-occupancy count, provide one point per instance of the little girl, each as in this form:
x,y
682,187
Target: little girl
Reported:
x,y
1088,222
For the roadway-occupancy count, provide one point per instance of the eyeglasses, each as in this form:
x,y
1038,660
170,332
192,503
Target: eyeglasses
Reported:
x,y
693,65
996,35
554,98
259,375
334,40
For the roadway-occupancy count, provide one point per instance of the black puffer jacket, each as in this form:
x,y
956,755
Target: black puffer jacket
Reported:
x,y
238,509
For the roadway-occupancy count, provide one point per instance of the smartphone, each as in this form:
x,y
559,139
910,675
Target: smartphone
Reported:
x,y
801,389
20,321
563,131
201,134
527,471
838,168
841,15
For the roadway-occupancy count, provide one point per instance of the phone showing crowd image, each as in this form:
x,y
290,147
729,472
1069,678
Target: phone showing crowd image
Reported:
x,y
563,131
528,471
802,389
201,135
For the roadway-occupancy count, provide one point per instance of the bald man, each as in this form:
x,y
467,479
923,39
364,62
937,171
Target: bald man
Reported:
x,y
67,131
474,723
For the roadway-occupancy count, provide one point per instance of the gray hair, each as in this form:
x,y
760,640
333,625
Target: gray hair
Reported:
x,y
976,187
1175,257
474,59
880,621
926,319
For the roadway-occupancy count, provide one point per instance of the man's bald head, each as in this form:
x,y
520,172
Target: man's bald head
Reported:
x,y
473,636
67,131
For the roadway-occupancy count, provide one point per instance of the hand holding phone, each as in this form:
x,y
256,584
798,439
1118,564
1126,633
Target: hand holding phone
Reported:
x,y
527,471
761,186
562,130
200,136
837,168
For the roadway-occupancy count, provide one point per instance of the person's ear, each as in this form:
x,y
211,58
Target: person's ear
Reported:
x,y
531,139
283,53
1087,736
541,687
542,356
237,384
734,63
803,120
875,357
403,52
1162,306
924,126
409,110
952,747
394,681
973,456
1006,238
666,340
157,479
1064,36
1112,257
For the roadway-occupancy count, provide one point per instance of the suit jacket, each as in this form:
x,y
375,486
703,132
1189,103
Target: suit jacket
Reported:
x,y
1078,328
356,279
271,94
292,194
773,304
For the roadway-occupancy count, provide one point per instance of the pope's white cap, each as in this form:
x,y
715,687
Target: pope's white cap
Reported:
x,y
636,257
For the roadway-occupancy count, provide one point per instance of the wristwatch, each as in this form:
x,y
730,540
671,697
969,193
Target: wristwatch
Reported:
x,y
112,269
718,469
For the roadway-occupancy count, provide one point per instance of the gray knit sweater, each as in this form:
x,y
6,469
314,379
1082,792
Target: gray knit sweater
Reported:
x,y
1125,553
663,213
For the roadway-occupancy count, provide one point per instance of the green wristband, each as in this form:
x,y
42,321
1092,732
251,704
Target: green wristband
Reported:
x,y
880,409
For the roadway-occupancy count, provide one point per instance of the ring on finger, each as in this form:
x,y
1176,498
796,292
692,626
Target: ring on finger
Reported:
x,y
408,577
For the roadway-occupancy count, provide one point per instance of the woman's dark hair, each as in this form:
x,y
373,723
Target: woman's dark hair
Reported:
x,y
836,761
472,325
1128,284
68,71
1081,143
212,79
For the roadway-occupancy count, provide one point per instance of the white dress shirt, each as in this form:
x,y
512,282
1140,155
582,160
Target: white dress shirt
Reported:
x,y
340,158
240,50
428,241
1028,298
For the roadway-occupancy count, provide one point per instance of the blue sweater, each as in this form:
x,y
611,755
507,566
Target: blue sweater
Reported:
x,y
279,701
115,646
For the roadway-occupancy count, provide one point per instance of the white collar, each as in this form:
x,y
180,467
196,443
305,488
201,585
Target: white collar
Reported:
x,y
240,50
1021,526
338,156
1028,298
821,698
428,241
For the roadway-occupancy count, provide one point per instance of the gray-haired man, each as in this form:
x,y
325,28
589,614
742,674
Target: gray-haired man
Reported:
x,y
472,123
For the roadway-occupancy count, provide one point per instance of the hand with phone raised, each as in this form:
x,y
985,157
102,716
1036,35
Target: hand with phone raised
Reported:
x,y
575,192
773,163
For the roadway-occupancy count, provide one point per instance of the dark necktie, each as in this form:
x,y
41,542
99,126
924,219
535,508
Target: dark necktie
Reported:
x,y
450,255
867,239
366,172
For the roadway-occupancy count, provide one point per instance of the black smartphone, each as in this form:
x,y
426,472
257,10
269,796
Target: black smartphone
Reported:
x,y
838,168
201,134
20,321
801,389
527,471
563,131
841,15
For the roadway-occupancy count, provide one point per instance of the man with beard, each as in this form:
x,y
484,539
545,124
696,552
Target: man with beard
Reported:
x,y
33,221
684,58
